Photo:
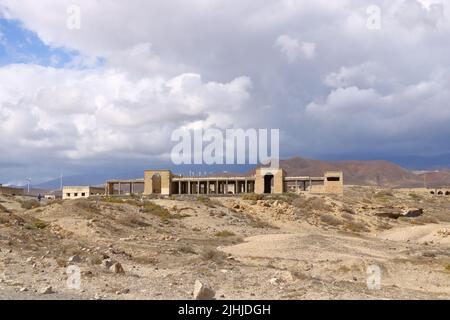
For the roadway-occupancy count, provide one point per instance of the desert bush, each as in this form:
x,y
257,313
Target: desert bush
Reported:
x,y
207,201
212,254
29,204
330,219
162,213
347,216
225,233
314,203
3,219
3,209
132,220
35,224
253,197
186,249
356,226
88,206
415,196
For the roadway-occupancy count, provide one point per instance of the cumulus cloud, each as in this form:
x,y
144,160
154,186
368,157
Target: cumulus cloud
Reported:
x,y
294,49
311,68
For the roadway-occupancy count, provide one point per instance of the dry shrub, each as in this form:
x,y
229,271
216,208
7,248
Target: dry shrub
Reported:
x,y
253,197
186,249
426,219
225,233
212,254
30,204
36,224
132,220
208,202
162,213
3,209
356,226
313,203
87,206
347,216
330,219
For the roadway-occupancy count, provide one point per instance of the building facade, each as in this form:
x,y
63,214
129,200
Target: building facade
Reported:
x,y
264,181
79,192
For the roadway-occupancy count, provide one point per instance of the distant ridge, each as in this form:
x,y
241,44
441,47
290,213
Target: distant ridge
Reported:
x,y
356,172
366,172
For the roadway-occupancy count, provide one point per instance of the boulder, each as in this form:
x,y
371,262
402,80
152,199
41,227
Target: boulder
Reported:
x,y
412,213
203,291
74,259
46,290
117,268
107,263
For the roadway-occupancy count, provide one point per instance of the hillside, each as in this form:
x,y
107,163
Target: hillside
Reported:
x,y
360,172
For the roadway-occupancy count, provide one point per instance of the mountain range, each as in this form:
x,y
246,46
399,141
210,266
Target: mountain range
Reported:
x,y
356,172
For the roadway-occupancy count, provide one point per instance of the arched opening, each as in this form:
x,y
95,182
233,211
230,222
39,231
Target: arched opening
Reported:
x,y
447,193
440,193
268,183
156,183
432,192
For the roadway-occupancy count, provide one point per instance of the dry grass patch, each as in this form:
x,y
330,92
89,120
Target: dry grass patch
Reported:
x,y
330,220
225,233
207,201
162,213
36,224
212,254
29,204
253,197
132,220
3,209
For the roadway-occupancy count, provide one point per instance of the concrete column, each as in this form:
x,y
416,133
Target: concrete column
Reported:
x,y
179,187
120,188
246,186
189,187
207,187
216,187
226,187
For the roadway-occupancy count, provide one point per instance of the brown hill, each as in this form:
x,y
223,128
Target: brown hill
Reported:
x,y
435,178
358,172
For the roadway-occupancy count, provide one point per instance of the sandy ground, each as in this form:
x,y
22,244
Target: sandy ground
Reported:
x,y
279,247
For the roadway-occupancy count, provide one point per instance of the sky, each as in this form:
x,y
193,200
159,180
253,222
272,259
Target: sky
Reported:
x,y
338,79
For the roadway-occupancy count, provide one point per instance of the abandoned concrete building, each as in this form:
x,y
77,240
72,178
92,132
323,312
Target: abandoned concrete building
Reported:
x,y
264,181
79,192
11,191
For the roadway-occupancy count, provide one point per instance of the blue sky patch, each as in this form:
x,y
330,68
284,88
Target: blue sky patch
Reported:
x,y
19,45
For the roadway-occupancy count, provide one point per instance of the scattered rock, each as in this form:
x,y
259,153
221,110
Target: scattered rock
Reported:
x,y
117,268
274,281
107,263
203,291
74,259
24,289
412,213
123,291
47,290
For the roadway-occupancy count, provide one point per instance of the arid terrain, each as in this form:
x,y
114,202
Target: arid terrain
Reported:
x,y
274,247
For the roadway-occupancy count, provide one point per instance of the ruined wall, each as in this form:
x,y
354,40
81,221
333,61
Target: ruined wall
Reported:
x,y
166,182
334,182
278,180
